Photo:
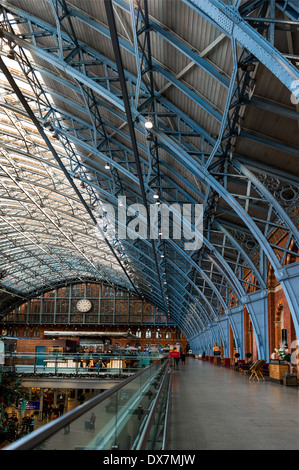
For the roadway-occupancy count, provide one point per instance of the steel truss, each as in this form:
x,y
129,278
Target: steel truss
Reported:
x,y
205,289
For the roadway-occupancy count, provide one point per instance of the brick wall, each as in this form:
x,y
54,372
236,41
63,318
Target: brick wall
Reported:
x,y
29,345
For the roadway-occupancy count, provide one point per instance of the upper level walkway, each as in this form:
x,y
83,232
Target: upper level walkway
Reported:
x,y
215,408
211,408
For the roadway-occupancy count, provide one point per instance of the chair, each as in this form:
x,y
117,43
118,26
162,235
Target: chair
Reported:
x,y
244,368
255,369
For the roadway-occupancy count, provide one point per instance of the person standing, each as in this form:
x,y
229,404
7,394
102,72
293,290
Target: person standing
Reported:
x,y
31,423
45,410
81,398
183,358
50,412
61,408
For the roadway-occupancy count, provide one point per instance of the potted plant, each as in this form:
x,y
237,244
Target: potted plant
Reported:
x,y
248,356
237,355
277,369
290,379
283,355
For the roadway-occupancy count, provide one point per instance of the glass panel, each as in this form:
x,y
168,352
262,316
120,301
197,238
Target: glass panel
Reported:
x,y
78,290
61,318
108,292
92,290
115,423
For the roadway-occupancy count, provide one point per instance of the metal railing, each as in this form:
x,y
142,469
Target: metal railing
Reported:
x,y
77,365
127,416
155,435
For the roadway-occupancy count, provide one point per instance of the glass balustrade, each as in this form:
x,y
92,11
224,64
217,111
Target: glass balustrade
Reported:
x,y
78,364
121,418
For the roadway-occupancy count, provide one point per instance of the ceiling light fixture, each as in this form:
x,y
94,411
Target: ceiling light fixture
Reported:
x,y
149,123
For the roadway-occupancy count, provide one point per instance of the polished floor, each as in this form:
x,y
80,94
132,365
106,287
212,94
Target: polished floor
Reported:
x,y
216,408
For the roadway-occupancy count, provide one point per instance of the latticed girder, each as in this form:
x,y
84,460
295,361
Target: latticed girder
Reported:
x,y
92,133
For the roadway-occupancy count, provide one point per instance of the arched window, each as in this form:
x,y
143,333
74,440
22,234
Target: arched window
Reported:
x,y
178,334
148,333
138,333
168,334
158,334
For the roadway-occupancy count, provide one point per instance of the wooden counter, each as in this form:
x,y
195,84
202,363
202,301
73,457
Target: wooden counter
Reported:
x,y
277,371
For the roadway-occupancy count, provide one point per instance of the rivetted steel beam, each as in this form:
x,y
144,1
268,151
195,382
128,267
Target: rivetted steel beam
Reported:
x,y
166,35
220,227
106,195
118,59
250,6
180,46
191,94
58,62
196,59
290,8
283,147
201,102
279,109
229,21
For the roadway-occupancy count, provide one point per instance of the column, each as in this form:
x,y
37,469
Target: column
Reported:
x,y
41,404
288,276
257,306
55,397
66,399
224,327
236,317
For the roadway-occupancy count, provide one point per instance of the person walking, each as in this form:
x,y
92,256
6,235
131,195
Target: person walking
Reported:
x,y
45,410
92,421
183,358
66,429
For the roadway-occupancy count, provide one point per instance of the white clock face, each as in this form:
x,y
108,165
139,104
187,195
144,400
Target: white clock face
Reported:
x,y
84,305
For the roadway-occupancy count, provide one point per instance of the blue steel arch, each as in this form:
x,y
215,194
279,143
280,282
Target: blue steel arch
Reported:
x,y
57,128
228,19
243,214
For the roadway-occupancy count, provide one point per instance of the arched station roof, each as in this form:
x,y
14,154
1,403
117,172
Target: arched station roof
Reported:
x,y
78,83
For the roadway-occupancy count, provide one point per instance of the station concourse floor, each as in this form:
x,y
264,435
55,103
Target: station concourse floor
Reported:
x,y
216,408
